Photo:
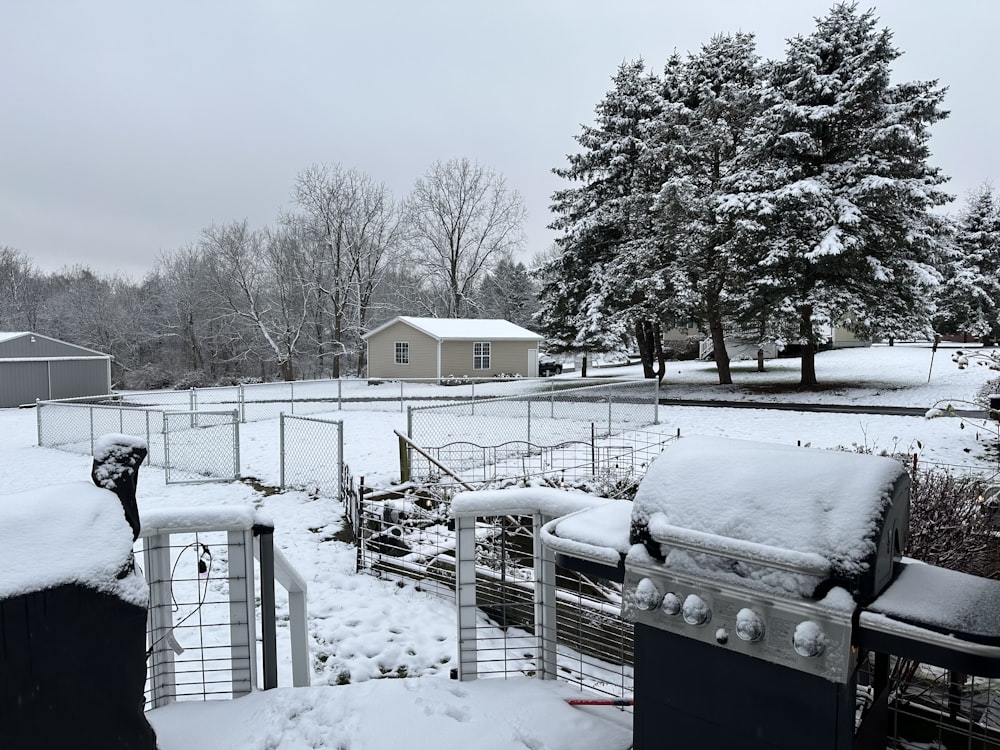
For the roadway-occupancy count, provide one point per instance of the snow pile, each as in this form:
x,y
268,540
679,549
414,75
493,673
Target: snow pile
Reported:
x,y
415,714
72,533
116,455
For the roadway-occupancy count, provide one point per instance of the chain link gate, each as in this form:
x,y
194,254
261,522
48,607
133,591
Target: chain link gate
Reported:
x,y
201,446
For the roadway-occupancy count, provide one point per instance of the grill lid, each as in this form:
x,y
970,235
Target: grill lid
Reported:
x,y
803,507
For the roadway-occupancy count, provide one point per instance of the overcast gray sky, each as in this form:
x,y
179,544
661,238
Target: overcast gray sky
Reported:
x,y
128,127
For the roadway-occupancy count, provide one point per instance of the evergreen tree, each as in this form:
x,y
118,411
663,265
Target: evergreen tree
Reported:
x,y
584,295
507,292
841,195
969,299
712,98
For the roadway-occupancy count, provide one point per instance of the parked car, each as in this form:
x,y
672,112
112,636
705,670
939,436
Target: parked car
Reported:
x,y
547,367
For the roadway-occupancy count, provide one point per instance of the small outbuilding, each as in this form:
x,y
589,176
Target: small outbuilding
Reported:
x,y
33,366
407,348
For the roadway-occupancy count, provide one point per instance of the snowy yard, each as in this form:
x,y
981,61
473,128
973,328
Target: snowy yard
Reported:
x,y
361,628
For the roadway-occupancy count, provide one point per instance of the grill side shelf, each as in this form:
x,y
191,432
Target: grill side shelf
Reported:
x,y
936,616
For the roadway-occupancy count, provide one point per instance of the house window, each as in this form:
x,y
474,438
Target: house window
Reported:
x,y
481,355
402,352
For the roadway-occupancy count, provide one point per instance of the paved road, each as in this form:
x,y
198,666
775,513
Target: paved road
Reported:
x,y
892,411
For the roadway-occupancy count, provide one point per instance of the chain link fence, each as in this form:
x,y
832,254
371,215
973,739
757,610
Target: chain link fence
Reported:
x,y
312,455
191,446
540,417
201,446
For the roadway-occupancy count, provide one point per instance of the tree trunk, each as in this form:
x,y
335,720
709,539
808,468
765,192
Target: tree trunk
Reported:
x,y
760,360
583,366
720,353
808,343
645,350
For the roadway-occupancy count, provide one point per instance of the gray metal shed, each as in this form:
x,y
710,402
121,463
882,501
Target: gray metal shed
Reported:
x,y
33,366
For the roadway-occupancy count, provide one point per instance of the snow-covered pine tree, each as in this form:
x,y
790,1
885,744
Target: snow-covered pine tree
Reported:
x,y
968,302
844,190
507,292
710,102
584,296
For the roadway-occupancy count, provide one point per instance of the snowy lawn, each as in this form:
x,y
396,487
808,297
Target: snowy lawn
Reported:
x,y
362,628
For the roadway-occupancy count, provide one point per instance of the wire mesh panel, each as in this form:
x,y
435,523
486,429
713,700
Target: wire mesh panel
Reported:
x,y
312,455
201,446
201,632
610,467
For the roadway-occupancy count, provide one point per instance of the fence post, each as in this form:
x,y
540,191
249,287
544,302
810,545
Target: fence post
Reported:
x,y
340,462
91,410
193,406
609,416
38,418
264,539
291,394
529,419
236,444
545,602
401,395
242,638
465,596
404,461
339,395
656,401
281,449
241,399
156,556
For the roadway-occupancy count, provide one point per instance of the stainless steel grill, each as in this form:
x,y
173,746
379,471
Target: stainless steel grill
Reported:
x,y
759,577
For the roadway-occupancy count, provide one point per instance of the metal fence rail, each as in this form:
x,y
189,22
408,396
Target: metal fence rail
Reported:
x,y
260,401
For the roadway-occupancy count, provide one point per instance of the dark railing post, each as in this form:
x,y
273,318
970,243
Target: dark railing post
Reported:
x,y
265,538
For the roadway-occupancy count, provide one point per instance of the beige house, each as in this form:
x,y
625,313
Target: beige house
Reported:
x,y
408,348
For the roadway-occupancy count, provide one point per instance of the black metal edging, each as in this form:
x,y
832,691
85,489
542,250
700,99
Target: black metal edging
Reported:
x,y
941,651
593,569
268,625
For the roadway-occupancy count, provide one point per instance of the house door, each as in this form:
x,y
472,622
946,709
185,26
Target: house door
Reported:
x,y
532,363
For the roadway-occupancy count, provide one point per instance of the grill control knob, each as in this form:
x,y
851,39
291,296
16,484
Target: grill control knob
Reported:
x,y
695,610
809,639
671,604
647,597
749,625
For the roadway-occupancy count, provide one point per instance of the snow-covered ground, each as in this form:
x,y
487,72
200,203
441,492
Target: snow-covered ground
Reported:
x,y
362,628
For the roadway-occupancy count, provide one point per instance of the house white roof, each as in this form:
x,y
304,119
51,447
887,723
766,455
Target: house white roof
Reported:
x,y
472,329
5,335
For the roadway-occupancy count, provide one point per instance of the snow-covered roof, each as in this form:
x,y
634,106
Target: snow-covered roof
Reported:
x,y
470,329
7,335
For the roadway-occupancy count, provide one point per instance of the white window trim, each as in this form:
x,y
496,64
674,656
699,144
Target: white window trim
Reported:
x,y
488,356
396,348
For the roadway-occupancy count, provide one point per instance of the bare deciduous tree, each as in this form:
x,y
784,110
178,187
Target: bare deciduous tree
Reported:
x,y
257,275
460,217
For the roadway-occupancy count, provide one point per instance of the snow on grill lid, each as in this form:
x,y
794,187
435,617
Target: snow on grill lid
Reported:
x,y
818,502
